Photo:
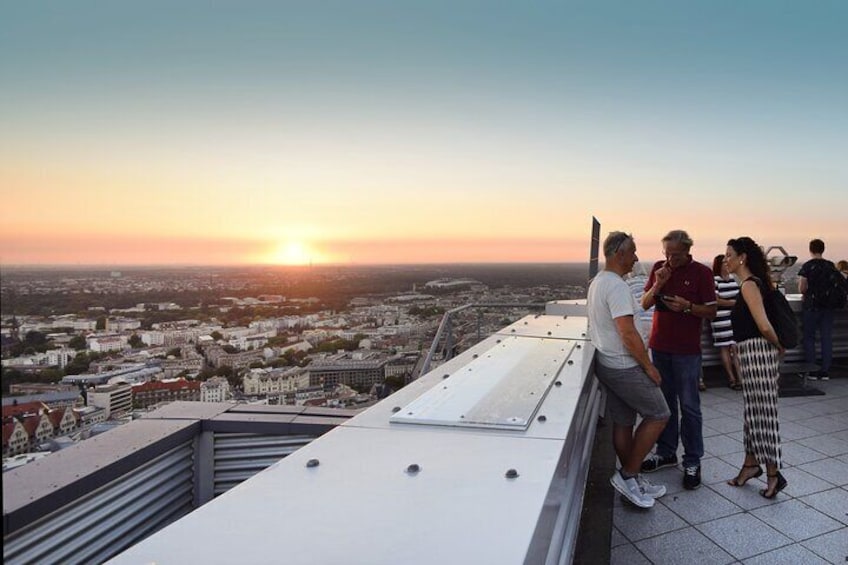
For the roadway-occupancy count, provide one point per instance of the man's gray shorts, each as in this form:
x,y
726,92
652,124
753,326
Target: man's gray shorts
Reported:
x,y
631,391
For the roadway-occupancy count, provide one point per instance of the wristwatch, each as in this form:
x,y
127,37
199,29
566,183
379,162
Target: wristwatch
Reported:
x,y
688,309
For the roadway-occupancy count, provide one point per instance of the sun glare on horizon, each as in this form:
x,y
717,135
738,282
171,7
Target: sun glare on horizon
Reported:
x,y
294,253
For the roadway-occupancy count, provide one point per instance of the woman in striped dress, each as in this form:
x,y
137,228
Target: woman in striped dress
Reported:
x,y
726,291
759,352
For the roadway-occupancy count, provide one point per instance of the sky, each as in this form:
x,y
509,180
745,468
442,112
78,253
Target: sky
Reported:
x,y
358,132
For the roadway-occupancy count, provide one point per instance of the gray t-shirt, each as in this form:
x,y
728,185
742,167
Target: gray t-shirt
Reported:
x,y
610,298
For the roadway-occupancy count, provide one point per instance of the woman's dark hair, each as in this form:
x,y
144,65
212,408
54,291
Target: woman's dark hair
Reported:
x,y
756,259
719,259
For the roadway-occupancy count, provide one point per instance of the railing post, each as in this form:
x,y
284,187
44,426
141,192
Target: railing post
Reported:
x,y
204,468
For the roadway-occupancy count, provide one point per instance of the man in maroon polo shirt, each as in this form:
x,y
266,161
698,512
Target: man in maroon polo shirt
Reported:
x,y
683,292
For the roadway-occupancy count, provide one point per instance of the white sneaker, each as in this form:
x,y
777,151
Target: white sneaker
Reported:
x,y
629,488
649,488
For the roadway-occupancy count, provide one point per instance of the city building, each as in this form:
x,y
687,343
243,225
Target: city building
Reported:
x,y
122,324
60,357
150,393
15,438
216,389
107,343
114,399
358,371
67,397
275,381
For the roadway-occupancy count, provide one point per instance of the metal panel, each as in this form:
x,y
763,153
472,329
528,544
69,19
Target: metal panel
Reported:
x,y
239,456
500,389
134,505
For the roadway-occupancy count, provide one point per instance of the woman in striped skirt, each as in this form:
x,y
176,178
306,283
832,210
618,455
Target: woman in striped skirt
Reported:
x,y
727,290
759,352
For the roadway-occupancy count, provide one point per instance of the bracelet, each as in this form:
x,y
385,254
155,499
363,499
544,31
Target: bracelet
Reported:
x,y
688,309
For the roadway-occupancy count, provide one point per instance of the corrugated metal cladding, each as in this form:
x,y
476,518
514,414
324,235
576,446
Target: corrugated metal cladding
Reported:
x,y
110,519
239,456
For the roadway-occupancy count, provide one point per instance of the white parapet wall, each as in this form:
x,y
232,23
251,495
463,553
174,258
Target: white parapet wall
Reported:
x,y
481,460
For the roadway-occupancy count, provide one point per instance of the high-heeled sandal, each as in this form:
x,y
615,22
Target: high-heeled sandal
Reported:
x,y
779,486
736,482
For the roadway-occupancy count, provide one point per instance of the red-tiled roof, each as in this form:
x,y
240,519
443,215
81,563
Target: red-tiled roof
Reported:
x,y
181,384
56,417
7,432
31,424
24,408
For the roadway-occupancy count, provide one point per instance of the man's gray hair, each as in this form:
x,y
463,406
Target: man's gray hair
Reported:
x,y
679,236
614,241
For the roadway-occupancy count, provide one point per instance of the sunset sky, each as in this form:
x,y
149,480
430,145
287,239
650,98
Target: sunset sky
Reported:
x,y
360,132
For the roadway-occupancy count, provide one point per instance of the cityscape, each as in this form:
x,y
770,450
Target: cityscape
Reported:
x,y
87,350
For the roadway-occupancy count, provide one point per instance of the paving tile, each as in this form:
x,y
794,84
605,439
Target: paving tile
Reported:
x,y
826,444
743,535
727,424
832,547
802,483
617,538
796,401
701,505
792,413
707,431
795,453
790,431
722,445
832,502
683,546
843,435
824,424
732,409
796,520
746,497
788,555
738,436
715,470
637,524
832,406
627,555
832,470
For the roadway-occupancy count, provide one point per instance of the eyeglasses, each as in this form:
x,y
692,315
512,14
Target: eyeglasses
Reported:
x,y
620,243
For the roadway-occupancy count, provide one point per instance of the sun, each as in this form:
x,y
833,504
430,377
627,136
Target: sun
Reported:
x,y
292,253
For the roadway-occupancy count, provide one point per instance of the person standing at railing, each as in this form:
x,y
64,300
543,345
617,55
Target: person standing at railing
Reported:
x,y
683,293
824,293
727,290
843,268
625,370
760,351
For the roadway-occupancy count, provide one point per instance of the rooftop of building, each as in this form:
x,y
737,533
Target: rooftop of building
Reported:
x,y
718,523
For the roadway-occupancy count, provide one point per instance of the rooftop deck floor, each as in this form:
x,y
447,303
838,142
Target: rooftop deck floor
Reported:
x,y
807,522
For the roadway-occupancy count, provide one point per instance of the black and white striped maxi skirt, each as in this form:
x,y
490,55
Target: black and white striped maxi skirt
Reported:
x,y
759,364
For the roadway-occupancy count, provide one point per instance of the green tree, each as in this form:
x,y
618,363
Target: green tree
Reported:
x,y
175,351
216,335
135,341
101,323
78,342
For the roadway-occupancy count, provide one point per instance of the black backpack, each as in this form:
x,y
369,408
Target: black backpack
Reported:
x,y
830,291
780,315
782,318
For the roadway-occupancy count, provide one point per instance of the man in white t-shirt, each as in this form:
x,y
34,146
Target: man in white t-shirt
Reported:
x,y
625,370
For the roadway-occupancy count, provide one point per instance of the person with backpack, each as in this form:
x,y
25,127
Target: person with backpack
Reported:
x,y
759,349
823,289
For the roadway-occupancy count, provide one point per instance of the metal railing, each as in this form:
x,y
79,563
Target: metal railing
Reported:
x,y
445,331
